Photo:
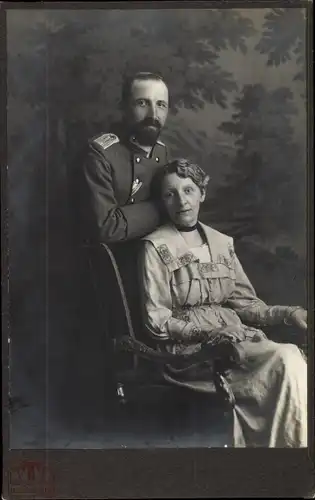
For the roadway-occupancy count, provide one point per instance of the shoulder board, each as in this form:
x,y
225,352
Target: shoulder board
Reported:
x,y
106,140
161,143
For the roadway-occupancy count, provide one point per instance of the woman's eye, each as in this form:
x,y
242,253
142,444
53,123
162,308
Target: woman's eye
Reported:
x,y
188,190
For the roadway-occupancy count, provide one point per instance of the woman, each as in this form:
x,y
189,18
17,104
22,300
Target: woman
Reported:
x,y
193,286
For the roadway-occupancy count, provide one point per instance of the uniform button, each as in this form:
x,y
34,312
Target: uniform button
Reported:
x,y
132,200
157,159
138,159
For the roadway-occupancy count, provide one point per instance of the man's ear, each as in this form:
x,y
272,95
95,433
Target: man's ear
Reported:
x,y
203,196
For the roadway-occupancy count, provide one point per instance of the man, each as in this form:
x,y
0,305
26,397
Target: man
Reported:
x,y
118,172
120,165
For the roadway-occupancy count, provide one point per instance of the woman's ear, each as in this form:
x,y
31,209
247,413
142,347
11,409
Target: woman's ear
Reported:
x,y
203,196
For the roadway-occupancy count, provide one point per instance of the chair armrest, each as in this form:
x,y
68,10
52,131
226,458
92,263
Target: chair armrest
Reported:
x,y
218,348
222,387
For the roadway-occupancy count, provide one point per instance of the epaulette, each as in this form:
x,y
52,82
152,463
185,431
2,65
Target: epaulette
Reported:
x,y
161,143
106,140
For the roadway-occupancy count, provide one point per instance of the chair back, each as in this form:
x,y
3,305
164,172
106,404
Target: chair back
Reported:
x,y
112,301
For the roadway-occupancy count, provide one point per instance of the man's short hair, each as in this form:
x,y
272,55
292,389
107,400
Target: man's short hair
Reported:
x,y
129,80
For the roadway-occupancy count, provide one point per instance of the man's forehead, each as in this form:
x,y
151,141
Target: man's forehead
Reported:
x,y
147,87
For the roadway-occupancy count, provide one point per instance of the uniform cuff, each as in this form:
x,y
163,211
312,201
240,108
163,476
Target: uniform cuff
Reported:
x,y
142,218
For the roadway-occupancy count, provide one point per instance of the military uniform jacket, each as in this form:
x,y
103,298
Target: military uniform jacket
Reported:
x,y
118,175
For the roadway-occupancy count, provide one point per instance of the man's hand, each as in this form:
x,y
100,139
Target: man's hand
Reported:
x,y
299,318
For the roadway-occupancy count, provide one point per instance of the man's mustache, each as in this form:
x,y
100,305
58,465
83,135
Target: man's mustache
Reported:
x,y
150,122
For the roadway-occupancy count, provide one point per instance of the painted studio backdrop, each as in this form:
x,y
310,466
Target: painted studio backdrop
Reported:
x,y
238,108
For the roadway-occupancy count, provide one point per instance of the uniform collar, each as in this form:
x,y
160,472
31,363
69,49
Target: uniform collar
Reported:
x,y
134,142
139,154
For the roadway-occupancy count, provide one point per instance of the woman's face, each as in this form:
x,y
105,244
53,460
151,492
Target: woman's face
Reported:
x,y
181,198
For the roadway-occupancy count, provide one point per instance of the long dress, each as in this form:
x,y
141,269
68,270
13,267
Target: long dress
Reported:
x,y
183,288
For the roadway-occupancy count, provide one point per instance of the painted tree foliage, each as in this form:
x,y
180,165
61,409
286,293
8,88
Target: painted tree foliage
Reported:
x,y
284,39
262,194
267,183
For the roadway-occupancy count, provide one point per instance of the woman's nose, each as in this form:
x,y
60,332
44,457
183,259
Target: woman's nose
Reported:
x,y
181,200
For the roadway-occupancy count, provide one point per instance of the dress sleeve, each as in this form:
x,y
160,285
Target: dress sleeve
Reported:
x,y
156,300
248,306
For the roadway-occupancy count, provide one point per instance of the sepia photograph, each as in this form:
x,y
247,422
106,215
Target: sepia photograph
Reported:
x,y
157,225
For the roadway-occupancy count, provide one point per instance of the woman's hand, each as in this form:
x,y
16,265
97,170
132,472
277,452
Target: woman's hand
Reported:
x,y
298,317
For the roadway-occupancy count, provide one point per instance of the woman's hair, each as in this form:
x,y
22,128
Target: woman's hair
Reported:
x,y
183,168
